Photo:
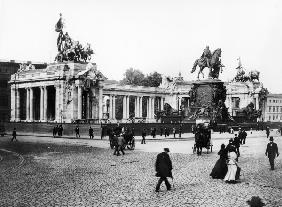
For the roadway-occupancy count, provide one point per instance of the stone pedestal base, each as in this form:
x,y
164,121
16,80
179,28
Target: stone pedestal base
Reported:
x,y
207,97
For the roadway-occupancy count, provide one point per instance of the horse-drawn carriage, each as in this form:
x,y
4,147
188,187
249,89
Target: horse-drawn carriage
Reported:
x,y
202,136
129,140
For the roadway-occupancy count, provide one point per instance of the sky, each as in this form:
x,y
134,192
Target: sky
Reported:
x,y
166,36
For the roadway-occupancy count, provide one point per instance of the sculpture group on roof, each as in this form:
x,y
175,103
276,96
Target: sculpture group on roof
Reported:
x,y
241,74
68,49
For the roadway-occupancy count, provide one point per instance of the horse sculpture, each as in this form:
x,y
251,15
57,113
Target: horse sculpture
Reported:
x,y
214,63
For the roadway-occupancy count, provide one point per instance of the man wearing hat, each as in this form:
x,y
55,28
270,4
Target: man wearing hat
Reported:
x,y
163,168
271,152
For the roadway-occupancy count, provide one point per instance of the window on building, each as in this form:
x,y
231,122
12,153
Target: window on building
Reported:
x,y
280,108
277,108
269,108
273,108
269,118
273,117
235,102
269,100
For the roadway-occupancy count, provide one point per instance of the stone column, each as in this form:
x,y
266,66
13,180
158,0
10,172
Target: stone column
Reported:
x,y
17,111
124,107
87,106
100,102
137,106
31,104
41,104
153,108
110,107
149,108
127,107
13,102
140,106
27,104
162,103
45,103
79,102
114,107
57,104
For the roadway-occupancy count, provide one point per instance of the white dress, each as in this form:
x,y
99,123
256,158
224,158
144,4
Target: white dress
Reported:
x,y
232,167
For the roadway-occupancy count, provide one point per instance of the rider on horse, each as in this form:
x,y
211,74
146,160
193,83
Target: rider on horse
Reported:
x,y
207,55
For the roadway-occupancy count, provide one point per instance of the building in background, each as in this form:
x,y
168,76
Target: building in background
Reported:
x,y
7,68
273,108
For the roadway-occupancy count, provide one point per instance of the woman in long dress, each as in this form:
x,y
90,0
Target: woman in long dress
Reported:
x,y
220,168
232,168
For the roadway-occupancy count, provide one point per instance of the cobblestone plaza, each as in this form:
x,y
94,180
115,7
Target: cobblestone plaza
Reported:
x,y
78,172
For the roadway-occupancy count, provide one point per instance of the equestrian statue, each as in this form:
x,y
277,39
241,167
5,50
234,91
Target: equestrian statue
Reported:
x,y
211,61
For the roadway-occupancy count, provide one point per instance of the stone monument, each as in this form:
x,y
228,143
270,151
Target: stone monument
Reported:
x,y
207,96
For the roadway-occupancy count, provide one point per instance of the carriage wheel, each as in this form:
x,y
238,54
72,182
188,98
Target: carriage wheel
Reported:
x,y
132,145
111,145
194,149
211,148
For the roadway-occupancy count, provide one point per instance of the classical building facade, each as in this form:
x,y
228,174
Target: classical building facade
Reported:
x,y
273,108
7,68
68,92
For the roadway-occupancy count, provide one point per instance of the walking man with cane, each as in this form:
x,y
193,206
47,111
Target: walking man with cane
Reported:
x,y
163,168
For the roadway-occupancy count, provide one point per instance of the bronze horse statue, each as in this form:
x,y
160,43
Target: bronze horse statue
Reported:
x,y
214,63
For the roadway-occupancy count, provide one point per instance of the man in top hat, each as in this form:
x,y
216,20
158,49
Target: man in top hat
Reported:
x,y
163,168
271,152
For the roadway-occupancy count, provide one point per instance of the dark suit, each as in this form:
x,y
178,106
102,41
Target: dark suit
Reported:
x,y
271,152
163,169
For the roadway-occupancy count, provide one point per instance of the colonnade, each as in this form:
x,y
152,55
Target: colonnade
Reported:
x,y
31,103
17,106
138,106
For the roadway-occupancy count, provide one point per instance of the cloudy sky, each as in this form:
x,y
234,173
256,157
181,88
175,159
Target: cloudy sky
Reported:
x,y
166,36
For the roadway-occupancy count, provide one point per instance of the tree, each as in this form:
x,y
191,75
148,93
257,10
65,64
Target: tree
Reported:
x,y
153,79
136,77
133,77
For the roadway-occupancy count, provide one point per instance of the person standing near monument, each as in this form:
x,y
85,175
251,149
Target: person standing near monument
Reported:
x,y
163,168
14,135
267,132
143,136
271,152
77,135
174,132
91,136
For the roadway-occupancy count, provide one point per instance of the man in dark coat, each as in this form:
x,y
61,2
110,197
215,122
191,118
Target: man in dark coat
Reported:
x,y
163,168
14,135
91,136
267,132
244,136
77,132
55,129
271,152
236,143
143,141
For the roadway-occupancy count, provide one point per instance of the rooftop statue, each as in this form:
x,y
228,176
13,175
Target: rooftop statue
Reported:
x,y
210,60
68,49
241,74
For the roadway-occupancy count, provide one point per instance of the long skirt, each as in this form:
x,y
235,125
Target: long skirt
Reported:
x,y
219,170
231,173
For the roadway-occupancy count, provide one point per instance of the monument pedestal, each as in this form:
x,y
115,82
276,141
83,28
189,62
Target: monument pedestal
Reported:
x,y
207,98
